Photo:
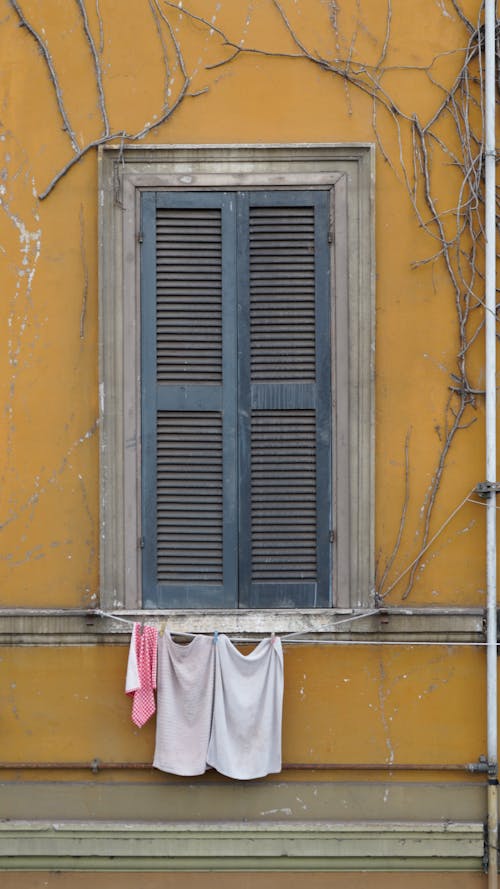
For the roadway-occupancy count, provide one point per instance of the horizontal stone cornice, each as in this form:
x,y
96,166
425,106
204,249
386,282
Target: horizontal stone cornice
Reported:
x,y
189,846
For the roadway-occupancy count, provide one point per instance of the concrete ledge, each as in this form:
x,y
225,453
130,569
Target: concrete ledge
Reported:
x,y
26,626
189,846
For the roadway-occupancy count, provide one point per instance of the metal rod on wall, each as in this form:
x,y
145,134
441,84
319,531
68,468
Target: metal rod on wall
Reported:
x,y
96,765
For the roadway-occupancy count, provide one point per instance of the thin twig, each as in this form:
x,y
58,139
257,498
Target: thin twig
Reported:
x,y
385,47
101,27
435,485
97,65
76,159
52,72
402,520
157,13
462,16
429,543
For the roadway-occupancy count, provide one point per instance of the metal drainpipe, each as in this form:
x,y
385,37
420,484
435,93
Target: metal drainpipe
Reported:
x,y
491,555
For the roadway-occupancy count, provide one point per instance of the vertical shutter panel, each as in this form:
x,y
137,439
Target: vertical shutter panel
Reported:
x,y
188,400
285,400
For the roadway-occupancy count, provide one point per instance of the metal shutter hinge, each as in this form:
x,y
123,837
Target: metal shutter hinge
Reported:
x,y
140,237
141,543
332,536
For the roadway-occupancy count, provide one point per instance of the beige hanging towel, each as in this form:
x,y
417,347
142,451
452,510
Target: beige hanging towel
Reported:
x,y
245,741
184,704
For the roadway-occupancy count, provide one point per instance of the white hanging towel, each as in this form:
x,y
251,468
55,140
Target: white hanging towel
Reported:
x,y
245,741
184,704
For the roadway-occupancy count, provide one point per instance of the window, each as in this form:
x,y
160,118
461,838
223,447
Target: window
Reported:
x,y
237,329
236,399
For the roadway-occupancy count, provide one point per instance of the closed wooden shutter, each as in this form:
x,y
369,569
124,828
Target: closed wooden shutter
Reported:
x,y
236,399
188,401
285,400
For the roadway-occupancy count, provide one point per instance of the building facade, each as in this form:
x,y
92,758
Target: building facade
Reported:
x,y
242,257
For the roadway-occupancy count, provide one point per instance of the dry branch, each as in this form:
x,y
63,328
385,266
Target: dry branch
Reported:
x,y
51,69
97,64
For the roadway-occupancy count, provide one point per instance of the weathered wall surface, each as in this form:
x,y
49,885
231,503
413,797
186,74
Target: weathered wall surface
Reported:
x,y
49,258
354,705
235,72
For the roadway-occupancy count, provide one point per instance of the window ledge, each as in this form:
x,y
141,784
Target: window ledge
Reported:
x,y
25,626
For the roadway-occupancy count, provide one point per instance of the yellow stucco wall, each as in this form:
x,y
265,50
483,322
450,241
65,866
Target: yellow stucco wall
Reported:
x,y
49,263
362,705
345,704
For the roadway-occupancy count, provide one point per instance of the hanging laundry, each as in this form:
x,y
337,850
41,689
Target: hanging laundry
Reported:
x,y
185,700
245,740
141,672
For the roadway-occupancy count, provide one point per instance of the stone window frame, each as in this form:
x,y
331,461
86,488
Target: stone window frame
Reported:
x,y
125,171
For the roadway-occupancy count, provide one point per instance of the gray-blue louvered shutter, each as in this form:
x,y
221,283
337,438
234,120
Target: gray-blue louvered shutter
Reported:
x,y
285,399
188,345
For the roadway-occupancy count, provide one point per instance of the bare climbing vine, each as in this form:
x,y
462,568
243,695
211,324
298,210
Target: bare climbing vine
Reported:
x,y
456,232
169,107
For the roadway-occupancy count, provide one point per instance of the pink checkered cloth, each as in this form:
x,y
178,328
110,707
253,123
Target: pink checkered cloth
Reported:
x,y
141,672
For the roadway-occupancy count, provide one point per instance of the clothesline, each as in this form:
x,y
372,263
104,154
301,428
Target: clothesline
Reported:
x,y
216,706
294,637
288,637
